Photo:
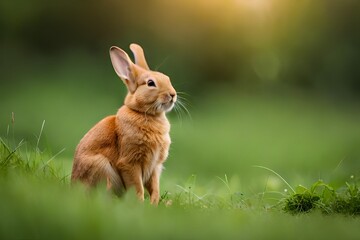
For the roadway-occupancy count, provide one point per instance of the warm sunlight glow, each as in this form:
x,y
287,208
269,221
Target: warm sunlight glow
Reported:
x,y
256,5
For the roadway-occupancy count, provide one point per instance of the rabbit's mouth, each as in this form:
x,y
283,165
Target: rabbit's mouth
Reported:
x,y
168,106
164,105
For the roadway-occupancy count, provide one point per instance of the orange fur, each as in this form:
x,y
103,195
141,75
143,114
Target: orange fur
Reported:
x,y
128,149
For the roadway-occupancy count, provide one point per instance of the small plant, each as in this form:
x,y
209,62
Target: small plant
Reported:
x,y
307,199
320,196
301,202
349,202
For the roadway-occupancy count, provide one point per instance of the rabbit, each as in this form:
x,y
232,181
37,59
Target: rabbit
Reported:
x,y
128,149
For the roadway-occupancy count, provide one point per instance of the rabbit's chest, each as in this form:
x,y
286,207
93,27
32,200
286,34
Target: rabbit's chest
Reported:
x,y
143,141
155,146
153,151
145,145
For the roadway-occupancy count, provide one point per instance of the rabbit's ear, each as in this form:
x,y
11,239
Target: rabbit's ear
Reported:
x,y
139,56
123,67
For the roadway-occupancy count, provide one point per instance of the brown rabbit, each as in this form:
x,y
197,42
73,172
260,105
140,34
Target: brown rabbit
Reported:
x,y
129,148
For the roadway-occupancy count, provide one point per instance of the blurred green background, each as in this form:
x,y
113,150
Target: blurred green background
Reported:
x,y
268,82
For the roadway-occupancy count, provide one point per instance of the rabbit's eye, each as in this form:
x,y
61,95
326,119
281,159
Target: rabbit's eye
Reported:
x,y
151,83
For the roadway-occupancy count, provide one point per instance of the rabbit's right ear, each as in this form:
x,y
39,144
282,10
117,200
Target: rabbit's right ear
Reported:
x,y
139,56
123,67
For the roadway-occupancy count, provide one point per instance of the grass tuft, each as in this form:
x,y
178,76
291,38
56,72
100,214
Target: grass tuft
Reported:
x,y
301,202
322,196
348,203
18,160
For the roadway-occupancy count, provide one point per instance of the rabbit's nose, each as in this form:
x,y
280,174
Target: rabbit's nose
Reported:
x,y
172,96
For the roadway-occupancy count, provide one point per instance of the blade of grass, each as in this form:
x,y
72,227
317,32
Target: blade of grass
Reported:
x,y
270,170
38,139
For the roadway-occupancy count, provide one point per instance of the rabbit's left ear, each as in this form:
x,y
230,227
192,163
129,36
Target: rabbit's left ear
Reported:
x,y
139,56
124,67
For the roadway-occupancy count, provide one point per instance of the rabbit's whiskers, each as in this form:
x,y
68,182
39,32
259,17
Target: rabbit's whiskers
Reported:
x,y
180,106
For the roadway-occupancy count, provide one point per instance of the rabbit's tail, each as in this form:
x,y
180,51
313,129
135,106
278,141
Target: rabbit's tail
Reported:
x,y
114,179
92,169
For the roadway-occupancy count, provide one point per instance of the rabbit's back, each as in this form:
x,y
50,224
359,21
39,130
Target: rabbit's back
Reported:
x,y
96,150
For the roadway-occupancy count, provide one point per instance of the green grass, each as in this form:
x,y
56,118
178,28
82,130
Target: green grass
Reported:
x,y
38,202
306,187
